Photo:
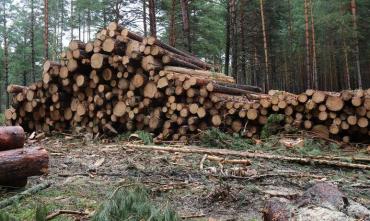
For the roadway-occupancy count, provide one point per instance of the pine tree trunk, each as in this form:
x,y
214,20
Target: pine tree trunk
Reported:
x,y
88,23
292,64
61,27
172,35
357,49
227,48
79,26
152,18
346,68
314,61
308,75
144,18
185,21
46,30
267,77
243,74
234,33
116,12
33,42
71,22
6,53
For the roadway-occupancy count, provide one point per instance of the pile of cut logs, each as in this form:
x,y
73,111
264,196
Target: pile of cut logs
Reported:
x,y
18,163
125,82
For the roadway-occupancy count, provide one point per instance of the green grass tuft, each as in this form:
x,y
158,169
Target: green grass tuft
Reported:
x,y
132,204
218,139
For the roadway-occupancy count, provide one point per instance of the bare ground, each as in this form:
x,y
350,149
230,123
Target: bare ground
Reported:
x,y
84,173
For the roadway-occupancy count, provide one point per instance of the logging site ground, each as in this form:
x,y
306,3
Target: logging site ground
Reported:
x,y
85,171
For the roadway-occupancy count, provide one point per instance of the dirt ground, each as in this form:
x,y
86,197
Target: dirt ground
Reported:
x,y
84,173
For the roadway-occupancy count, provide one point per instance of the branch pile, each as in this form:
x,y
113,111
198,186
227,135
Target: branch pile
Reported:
x,y
125,82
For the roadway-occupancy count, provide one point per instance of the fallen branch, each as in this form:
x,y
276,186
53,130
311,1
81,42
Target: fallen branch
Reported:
x,y
28,192
60,212
224,152
225,161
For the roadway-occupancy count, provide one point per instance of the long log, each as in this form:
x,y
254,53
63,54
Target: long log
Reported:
x,y
21,163
11,137
153,41
225,152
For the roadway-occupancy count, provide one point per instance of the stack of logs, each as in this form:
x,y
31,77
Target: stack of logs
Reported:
x,y
18,163
125,82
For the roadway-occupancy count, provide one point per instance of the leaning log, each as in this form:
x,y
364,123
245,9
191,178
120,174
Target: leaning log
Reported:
x,y
18,164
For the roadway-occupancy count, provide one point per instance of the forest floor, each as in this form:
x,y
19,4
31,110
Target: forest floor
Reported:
x,y
85,172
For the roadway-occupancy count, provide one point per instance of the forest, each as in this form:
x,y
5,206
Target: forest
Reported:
x,y
286,45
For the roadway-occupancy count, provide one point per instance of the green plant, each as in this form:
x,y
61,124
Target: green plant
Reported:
x,y
6,217
132,204
146,137
218,139
273,125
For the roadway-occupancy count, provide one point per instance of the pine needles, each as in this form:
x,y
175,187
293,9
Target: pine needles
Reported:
x,y
133,204
217,139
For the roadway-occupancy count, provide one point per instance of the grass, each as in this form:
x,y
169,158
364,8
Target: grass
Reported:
x,y
2,119
145,137
75,195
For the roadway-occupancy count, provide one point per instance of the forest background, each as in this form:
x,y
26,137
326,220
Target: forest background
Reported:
x,y
286,45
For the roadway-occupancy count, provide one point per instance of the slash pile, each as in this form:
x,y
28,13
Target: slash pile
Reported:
x,y
125,82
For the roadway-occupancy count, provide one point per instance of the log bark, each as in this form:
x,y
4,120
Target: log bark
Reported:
x,y
11,137
22,163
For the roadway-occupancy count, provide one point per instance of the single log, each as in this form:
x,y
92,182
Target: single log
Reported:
x,y
76,44
15,89
245,154
215,75
153,41
11,137
98,60
21,163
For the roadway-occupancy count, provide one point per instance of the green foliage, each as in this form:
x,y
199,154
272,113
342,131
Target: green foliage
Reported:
x,y
41,213
6,217
272,126
146,137
316,147
132,204
217,139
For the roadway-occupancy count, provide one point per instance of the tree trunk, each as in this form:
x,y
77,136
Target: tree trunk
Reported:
x,y
172,35
234,33
307,35
243,74
116,12
267,78
152,18
18,164
227,48
61,27
6,53
88,23
185,21
144,18
46,30
33,42
357,49
71,22
314,61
